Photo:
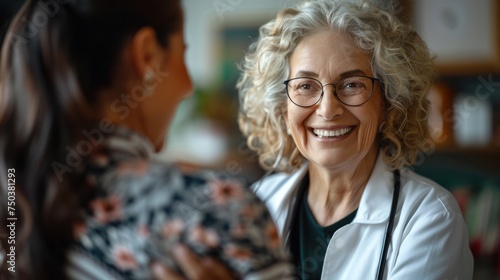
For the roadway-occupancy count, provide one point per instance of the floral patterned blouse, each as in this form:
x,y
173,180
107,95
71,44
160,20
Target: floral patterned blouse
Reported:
x,y
142,207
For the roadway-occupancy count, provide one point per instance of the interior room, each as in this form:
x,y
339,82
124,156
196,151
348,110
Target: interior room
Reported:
x,y
464,37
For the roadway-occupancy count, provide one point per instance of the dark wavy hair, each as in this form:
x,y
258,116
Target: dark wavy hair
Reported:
x,y
55,57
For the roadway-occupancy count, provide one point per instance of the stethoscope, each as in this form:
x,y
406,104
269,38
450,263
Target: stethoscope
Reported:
x,y
390,224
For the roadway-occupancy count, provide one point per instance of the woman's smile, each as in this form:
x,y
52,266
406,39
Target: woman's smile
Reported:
x,y
336,133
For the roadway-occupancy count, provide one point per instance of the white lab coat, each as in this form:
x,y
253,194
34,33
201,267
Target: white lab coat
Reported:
x,y
430,239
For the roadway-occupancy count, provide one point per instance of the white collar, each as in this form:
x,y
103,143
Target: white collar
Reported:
x,y
280,191
375,204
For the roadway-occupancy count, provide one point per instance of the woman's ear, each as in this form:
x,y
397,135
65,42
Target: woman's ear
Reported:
x,y
145,51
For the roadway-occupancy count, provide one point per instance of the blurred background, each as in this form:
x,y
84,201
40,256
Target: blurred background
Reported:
x,y
464,36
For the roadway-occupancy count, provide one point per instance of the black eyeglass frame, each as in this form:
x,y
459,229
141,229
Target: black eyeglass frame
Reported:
x,y
373,79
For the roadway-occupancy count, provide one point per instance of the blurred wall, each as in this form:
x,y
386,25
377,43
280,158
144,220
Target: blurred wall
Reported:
x,y
203,21
218,33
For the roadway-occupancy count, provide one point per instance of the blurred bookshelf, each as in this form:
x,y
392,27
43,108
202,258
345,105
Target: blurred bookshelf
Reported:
x,y
465,157
468,164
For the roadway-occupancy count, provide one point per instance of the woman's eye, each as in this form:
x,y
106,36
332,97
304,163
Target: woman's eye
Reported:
x,y
354,85
305,86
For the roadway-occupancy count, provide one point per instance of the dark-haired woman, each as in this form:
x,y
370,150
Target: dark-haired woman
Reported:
x,y
87,90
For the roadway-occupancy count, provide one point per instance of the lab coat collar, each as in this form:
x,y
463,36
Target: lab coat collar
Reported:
x,y
375,203
280,191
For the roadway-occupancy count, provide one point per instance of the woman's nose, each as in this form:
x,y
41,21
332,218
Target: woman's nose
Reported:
x,y
329,106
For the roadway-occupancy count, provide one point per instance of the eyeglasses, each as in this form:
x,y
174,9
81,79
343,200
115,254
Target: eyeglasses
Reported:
x,y
351,91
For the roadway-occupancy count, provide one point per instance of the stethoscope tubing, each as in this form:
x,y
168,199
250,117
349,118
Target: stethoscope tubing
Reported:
x,y
390,226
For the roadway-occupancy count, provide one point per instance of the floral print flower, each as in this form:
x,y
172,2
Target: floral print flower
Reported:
x,y
237,252
272,236
106,210
79,229
203,236
223,191
100,159
137,168
143,230
172,228
238,230
249,212
124,258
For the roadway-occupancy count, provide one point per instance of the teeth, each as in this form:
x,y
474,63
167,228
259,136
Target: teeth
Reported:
x,y
331,133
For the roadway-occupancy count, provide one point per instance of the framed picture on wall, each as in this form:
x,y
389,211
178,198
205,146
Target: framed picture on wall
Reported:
x,y
464,35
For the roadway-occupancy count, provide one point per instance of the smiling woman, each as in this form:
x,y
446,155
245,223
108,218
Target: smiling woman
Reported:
x,y
334,101
357,146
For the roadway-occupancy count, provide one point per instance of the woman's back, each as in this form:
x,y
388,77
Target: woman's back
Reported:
x,y
142,207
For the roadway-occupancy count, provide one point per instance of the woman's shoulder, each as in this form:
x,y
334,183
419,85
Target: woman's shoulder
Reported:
x,y
157,183
424,193
143,207
140,185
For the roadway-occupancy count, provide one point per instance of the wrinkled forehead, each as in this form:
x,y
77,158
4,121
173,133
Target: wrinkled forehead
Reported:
x,y
328,54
